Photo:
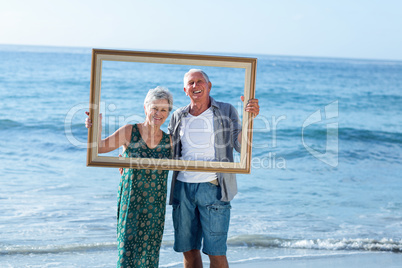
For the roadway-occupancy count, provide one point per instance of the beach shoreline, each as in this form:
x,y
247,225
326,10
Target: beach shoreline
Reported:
x,y
366,259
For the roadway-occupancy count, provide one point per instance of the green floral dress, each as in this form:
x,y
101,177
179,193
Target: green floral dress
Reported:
x,y
142,205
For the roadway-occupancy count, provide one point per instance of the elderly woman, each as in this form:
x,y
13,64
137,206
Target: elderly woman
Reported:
x,y
142,192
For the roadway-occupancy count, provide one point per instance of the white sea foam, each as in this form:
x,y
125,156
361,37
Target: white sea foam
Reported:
x,y
364,244
11,250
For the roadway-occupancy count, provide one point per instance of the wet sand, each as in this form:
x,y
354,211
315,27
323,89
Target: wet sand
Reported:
x,y
366,260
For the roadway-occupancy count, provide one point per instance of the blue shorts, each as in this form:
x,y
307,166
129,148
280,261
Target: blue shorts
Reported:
x,y
199,215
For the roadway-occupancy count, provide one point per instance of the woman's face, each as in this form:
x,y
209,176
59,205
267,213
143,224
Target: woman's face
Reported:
x,y
156,112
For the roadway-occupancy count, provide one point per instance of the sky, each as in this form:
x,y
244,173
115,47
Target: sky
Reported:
x,y
367,29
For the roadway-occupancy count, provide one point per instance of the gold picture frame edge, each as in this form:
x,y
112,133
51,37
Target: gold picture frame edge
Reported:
x,y
139,164
98,51
94,106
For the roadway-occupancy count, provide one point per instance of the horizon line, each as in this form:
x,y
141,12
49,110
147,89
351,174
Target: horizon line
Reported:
x,y
203,52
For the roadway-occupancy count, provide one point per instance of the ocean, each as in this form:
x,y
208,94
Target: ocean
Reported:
x,y
325,178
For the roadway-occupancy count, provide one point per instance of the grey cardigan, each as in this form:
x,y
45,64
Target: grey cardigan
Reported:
x,y
226,128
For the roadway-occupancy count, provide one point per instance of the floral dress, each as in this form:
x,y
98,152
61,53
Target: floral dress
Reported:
x,y
142,205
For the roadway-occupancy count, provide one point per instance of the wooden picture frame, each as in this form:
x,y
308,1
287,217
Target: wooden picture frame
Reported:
x,y
101,55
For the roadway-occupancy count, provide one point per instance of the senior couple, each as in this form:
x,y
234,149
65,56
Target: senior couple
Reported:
x,y
206,130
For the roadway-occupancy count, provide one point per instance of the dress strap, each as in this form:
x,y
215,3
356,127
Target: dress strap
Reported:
x,y
134,133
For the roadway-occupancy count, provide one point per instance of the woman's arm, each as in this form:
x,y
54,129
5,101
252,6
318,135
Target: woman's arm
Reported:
x,y
120,137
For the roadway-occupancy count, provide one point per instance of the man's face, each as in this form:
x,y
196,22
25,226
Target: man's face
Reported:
x,y
197,88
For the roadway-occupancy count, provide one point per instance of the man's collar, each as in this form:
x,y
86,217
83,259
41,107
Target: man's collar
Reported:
x,y
185,110
214,105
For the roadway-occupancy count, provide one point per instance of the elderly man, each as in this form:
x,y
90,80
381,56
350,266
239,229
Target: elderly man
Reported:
x,y
205,130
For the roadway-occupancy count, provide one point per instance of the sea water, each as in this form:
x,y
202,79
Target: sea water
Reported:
x,y
325,178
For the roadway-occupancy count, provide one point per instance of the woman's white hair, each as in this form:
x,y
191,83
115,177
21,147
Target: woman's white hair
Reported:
x,y
159,93
195,71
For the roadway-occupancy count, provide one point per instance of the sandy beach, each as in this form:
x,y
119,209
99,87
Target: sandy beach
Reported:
x,y
367,260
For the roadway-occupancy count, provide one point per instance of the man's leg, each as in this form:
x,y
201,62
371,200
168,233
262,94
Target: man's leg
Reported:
x,y
192,259
215,217
218,261
187,229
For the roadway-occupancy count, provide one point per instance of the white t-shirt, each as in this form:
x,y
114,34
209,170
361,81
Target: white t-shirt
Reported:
x,y
197,140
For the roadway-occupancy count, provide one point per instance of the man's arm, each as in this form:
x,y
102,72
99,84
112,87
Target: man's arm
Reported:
x,y
251,107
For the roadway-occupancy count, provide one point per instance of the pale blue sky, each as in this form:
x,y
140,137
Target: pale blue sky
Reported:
x,y
368,29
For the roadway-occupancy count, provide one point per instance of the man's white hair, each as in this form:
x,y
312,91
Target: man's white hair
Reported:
x,y
195,71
